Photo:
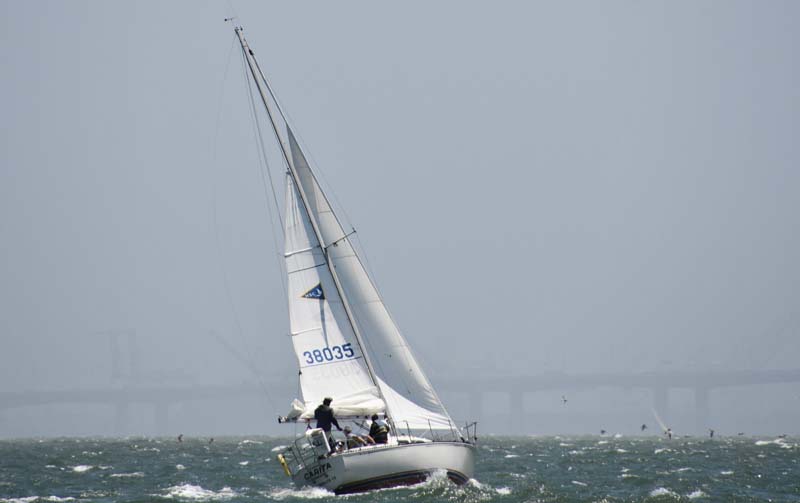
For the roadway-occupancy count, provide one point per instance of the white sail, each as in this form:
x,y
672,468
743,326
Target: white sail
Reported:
x,y
330,360
409,396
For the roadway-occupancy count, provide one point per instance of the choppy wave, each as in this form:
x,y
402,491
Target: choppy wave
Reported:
x,y
307,493
198,493
126,475
33,499
662,491
650,470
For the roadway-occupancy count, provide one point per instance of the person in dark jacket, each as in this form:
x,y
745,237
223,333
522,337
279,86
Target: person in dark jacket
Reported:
x,y
379,430
325,419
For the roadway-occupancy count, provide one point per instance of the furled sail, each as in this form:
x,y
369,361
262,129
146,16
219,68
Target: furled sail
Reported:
x,y
409,397
330,360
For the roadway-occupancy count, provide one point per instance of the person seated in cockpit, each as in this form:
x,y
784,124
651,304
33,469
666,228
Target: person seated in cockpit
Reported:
x,y
379,430
352,440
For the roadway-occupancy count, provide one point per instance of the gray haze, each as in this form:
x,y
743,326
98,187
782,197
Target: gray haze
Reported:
x,y
541,188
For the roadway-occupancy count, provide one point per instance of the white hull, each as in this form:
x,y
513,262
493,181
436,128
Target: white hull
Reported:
x,y
378,467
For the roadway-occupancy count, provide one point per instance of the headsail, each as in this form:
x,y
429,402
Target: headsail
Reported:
x,y
330,360
409,396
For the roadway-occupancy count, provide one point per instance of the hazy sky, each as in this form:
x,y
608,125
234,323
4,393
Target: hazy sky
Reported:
x,y
539,186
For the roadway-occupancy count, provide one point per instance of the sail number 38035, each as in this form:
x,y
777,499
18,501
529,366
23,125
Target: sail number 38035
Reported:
x,y
329,354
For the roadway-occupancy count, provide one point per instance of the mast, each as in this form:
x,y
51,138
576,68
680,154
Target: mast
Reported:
x,y
261,84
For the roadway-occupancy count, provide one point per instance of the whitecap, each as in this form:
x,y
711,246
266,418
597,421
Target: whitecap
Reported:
x,y
512,455
31,499
244,463
621,451
192,492
661,491
279,448
82,468
628,476
256,442
602,442
726,472
126,475
180,467
696,494
503,490
579,483
660,450
309,493
618,435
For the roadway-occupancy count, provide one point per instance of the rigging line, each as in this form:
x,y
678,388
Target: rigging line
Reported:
x,y
326,185
217,240
263,152
264,166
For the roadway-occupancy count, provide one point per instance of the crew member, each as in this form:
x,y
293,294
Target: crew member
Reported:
x,y
379,430
324,416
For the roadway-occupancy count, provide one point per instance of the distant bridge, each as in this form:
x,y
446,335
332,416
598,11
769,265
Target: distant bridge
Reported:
x,y
659,382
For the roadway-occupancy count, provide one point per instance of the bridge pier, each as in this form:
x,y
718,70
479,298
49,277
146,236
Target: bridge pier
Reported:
x,y
701,409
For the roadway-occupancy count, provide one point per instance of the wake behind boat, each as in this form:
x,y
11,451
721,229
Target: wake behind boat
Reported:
x,y
350,352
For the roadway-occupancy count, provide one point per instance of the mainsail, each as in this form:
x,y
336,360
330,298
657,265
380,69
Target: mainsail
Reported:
x,y
330,359
408,395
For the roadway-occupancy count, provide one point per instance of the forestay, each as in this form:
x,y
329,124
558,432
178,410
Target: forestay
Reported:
x,y
410,399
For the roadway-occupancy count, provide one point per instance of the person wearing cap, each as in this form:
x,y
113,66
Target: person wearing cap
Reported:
x,y
353,440
379,430
325,419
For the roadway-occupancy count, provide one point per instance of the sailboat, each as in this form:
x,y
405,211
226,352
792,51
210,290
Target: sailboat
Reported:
x,y
349,348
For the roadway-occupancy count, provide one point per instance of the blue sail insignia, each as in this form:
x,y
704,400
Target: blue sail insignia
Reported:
x,y
315,293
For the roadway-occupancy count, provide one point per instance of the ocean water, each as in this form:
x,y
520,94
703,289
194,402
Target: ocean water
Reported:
x,y
509,469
